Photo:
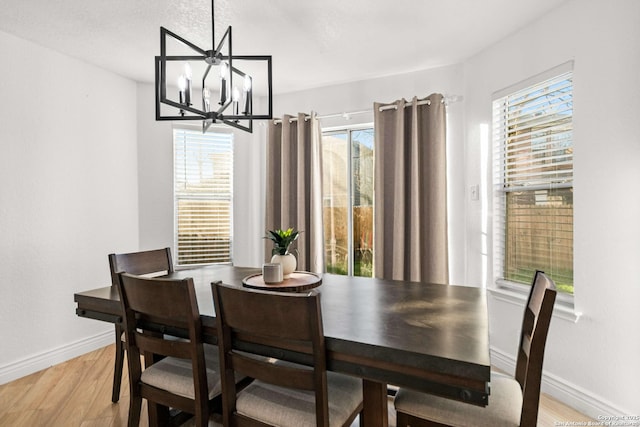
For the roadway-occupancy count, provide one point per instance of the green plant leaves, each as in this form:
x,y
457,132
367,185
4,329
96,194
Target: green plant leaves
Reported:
x,y
282,239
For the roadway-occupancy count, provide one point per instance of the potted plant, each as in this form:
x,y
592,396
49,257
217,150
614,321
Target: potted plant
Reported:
x,y
282,240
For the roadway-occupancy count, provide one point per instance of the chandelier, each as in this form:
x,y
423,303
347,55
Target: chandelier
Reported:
x,y
225,87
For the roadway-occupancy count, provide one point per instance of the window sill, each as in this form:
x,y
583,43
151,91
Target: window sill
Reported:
x,y
561,309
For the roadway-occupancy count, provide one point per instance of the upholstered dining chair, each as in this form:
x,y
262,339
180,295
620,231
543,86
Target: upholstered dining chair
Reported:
x,y
283,393
513,401
157,261
187,377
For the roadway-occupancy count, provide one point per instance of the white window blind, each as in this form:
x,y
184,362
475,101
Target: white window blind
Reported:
x,y
203,191
533,211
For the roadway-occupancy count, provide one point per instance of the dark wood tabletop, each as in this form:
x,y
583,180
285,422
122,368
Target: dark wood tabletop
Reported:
x,y
428,337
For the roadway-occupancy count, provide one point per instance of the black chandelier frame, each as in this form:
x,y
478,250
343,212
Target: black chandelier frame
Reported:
x,y
225,112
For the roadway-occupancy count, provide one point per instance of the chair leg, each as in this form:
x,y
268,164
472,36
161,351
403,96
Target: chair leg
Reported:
x,y
401,420
135,408
202,420
119,362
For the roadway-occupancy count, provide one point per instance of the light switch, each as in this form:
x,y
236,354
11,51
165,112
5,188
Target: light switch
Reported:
x,y
474,190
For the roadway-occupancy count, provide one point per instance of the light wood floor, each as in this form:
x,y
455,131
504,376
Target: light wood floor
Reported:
x,y
78,393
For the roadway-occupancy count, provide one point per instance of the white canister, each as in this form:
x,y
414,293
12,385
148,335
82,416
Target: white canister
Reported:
x,y
272,272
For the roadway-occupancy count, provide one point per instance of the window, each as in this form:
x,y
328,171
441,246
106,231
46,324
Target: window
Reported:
x,y
533,211
347,157
203,191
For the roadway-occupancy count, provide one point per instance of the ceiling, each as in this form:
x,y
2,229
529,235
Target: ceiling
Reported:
x,y
313,43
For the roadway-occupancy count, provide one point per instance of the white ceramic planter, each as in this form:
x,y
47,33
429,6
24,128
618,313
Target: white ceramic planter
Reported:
x,y
288,263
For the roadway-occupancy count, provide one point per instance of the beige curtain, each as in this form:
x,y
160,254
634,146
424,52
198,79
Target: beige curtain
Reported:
x,y
411,191
294,186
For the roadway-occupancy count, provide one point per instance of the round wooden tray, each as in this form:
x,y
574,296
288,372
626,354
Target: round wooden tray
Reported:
x,y
299,281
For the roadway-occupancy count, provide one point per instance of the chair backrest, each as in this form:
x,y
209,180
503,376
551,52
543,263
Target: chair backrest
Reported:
x,y
160,305
533,337
291,324
140,263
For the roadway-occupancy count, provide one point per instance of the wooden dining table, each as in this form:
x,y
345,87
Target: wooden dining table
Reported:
x,y
427,337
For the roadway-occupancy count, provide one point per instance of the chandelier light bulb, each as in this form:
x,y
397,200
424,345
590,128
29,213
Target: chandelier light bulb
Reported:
x,y
188,75
224,67
206,95
247,95
182,83
235,96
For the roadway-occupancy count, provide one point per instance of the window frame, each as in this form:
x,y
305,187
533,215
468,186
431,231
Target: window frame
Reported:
x,y
500,194
197,131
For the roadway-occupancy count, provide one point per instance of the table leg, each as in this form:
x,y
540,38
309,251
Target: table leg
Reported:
x,y
374,411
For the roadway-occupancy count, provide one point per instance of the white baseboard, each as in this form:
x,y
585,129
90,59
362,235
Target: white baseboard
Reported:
x,y
570,394
44,360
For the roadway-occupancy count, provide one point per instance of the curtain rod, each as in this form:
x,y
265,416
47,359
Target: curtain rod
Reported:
x,y
447,99
408,104
346,115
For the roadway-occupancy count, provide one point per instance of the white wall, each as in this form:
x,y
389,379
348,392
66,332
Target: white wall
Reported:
x,y
68,197
155,173
591,364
